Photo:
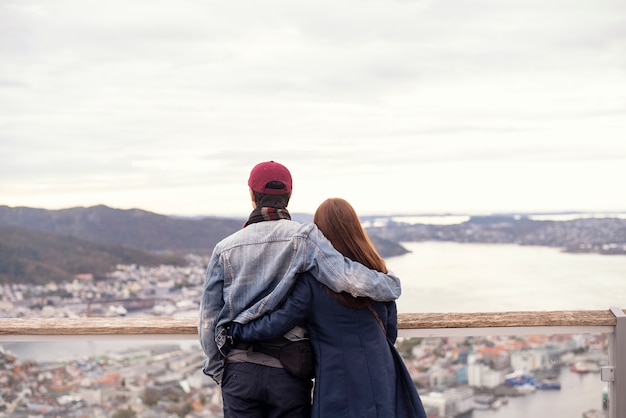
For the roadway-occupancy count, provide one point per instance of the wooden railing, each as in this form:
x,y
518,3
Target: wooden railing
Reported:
x,y
611,321
444,322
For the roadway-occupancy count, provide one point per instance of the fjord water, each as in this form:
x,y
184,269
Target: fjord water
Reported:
x,y
455,277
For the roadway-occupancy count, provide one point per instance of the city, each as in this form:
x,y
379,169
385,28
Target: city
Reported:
x,y
454,376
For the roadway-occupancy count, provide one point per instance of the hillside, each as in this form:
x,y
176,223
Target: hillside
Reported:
x,y
133,227
144,230
36,257
38,245
595,235
385,247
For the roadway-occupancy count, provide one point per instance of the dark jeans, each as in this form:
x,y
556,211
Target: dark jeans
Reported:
x,y
254,391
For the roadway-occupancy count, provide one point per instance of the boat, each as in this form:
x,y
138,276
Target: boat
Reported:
x,y
118,310
481,406
525,389
483,402
549,384
584,367
518,379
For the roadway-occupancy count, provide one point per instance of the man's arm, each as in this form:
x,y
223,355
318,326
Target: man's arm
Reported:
x,y
341,274
211,305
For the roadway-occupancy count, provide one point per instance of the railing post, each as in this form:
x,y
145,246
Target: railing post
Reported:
x,y
617,358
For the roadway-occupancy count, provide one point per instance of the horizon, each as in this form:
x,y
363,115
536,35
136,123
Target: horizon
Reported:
x,y
413,107
435,216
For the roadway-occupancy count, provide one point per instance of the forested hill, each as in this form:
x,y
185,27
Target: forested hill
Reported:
x,y
133,227
37,257
39,245
144,230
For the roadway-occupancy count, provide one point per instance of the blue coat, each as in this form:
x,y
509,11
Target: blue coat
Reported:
x,y
358,372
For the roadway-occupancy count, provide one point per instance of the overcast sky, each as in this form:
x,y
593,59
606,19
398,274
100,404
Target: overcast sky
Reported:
x,y
447,106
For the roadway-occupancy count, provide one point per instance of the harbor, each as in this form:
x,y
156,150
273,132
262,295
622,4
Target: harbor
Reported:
x,y
579,394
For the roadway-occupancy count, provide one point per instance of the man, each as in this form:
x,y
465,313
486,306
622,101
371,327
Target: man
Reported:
x,y
249,274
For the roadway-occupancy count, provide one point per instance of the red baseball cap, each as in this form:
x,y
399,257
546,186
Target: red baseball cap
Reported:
x,y
266,172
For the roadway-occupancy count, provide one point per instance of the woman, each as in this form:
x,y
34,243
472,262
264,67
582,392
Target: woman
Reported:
x,y
358,372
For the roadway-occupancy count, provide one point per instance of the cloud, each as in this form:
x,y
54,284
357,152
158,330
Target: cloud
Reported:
x,y
109,102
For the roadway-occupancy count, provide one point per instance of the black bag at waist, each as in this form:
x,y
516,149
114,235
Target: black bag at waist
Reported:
x,y
296,356
270,347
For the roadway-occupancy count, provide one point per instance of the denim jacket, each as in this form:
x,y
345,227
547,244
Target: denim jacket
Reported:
x,y
251,271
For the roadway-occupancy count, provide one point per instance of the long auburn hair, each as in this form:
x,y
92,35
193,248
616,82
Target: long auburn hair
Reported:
x,y
339,222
